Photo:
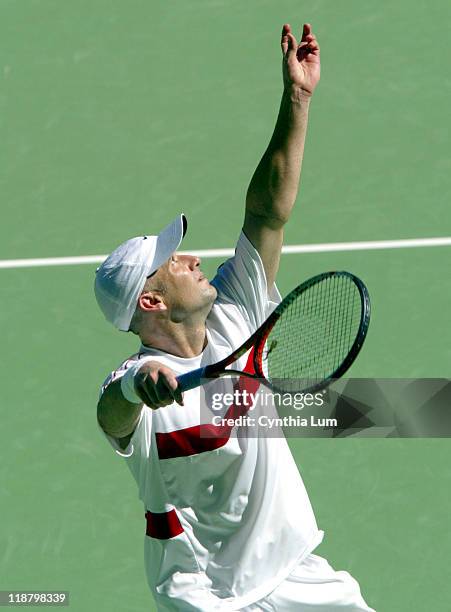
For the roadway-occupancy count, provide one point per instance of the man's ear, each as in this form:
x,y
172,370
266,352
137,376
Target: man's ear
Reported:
x,y
151,302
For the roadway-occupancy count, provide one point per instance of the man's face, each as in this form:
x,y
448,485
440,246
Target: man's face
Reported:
x,y
186,290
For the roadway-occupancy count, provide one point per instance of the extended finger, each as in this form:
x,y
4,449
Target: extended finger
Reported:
x,y
292,46
284,39
306,30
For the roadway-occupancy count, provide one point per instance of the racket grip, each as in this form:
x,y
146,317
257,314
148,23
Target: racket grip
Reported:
x,y
191,380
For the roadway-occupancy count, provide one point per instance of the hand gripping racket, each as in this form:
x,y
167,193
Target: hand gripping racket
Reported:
x,y
311,338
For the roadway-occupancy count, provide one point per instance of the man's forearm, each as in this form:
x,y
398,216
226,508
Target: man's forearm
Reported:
x,y
117,416
274,185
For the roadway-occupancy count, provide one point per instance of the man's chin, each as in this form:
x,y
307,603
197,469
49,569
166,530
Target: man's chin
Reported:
x,y
213,294
209,294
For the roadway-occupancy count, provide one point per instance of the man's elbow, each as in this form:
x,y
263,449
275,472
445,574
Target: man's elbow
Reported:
x,y
267,216
101,414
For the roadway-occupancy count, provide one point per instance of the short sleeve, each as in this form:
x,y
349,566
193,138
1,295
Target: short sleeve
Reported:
x,y
118,373
241,280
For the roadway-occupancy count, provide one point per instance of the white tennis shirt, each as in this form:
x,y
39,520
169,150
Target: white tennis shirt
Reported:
x,y
227,520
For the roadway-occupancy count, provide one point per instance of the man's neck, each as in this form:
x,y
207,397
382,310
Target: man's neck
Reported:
x,y
177,339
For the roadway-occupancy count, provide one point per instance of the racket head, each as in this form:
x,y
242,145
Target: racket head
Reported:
x,y
314,334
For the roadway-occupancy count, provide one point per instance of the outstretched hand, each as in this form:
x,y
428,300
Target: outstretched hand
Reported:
x,y
301,61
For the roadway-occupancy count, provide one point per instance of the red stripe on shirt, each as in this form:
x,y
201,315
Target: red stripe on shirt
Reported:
x,y
163,525
205,437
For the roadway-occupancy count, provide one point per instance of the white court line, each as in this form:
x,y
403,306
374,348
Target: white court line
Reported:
x,y
210,253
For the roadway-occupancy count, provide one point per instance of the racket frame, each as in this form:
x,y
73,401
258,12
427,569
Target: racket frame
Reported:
x,y
365,314
258,338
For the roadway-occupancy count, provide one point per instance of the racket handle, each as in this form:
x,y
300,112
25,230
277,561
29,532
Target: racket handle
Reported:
x,y
191,380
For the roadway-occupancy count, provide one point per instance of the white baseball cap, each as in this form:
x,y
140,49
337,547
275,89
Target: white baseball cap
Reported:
x,y
122,276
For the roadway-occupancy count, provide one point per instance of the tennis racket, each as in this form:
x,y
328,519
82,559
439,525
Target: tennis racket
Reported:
x,y
310,339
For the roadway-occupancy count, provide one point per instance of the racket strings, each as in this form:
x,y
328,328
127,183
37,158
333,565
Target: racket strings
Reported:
x,y
314,333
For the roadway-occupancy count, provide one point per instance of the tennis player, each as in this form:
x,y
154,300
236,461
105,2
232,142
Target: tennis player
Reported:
x,y
229,525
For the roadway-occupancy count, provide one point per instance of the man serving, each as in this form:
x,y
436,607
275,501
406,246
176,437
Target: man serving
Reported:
x,y
229,525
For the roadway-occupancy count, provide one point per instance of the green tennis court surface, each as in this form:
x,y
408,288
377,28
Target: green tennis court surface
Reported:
x,y
114,117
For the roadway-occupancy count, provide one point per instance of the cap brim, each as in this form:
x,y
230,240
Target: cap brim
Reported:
x,y
168,241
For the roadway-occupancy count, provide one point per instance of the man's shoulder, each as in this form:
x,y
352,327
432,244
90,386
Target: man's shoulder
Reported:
x,y
119,370
228,325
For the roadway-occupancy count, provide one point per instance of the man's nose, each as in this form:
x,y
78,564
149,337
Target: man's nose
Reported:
x,y
195,262
192,261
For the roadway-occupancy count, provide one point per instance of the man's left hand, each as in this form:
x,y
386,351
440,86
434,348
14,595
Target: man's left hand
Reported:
x,y
301,61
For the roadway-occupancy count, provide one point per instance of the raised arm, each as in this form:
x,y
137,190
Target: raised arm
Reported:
x,y
274,185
